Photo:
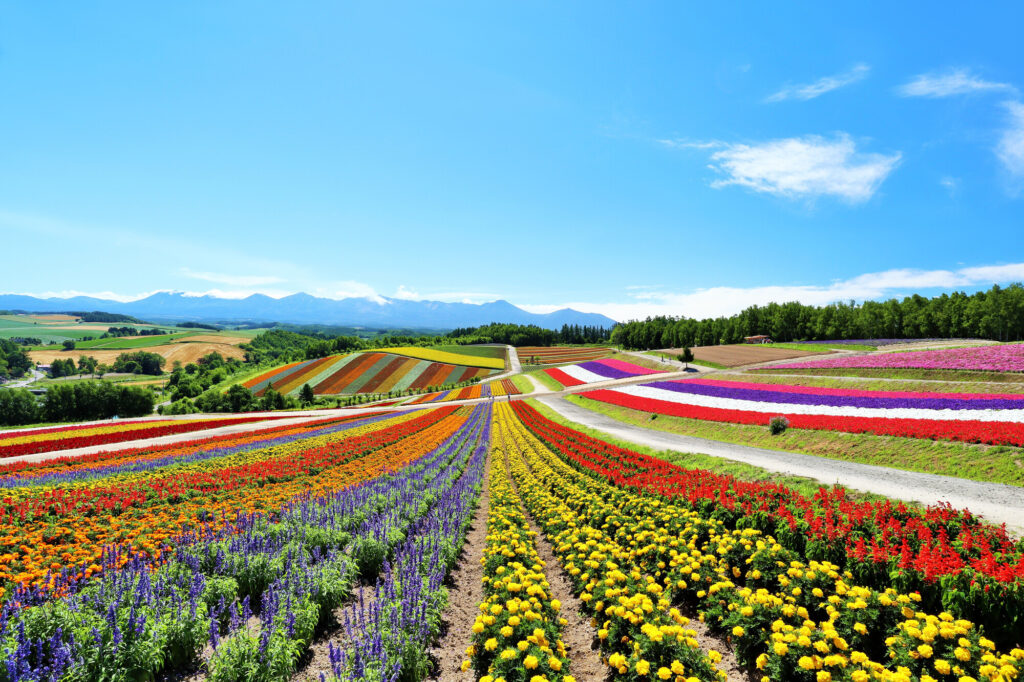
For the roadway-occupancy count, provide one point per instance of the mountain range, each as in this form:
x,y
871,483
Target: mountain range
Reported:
x,y
302,308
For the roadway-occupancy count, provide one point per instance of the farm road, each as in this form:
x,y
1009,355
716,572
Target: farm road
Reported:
x,y
995,502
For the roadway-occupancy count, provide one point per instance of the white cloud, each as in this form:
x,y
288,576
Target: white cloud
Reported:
x,y
819,87
953,82
804,167
719,301
950,183
348,289
405,293
233,280
1011,145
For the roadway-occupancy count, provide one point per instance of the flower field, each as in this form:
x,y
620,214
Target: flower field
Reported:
x,y
229,554
366,373
556,355
133,565
996,419
495,388
35,441
804,589
596,370
1000,358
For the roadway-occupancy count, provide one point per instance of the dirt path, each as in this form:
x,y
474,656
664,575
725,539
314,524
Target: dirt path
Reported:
x,y
465,592
578,635
995,502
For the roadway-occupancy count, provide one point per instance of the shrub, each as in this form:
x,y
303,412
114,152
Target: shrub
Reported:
x,y
777,425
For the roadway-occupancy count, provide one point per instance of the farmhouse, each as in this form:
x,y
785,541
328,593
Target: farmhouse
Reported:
x,y
760,338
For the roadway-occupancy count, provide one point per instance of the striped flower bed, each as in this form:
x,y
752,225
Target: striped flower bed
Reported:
x,y
596,370
504,387
361,373
994,419
556,355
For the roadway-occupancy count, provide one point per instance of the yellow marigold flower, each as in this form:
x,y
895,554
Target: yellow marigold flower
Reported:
x,y
642,667
478,627
925,651
530,662
664,673
555,664
523,645
962,654
465,666
859,676
806,662
942,666
762,661
824,676
861,628
780,649
506,631
491,644
737,631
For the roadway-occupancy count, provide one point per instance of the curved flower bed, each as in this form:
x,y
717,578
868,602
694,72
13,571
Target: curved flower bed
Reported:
x,y
997,420
597,370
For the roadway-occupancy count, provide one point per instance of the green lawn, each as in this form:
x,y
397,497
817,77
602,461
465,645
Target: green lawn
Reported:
x,y
994,464
900,373
690,460
123,343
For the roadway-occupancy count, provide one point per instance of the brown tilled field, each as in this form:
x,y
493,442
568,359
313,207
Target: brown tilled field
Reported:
x,y
180,352
741,354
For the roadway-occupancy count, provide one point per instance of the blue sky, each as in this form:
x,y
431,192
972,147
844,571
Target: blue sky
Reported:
x,y
622,158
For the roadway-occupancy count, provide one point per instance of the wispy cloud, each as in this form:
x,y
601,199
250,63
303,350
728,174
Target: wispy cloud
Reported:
x,y
233,280
950,83
806,91
1011,145
804,167
950,183
407,294
717,301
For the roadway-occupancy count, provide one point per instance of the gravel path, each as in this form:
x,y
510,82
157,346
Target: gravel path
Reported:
x,y
996,502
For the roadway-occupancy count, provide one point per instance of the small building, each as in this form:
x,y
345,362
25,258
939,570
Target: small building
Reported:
x,y
760,338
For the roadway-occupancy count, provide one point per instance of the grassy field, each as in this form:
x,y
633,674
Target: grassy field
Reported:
x,y
900,373
690,460
993,464
874,384
653,362
522,383
124,342
706,363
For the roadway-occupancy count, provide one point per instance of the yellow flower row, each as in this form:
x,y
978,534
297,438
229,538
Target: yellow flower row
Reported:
x,y
808,620
516,632
641,633
433,355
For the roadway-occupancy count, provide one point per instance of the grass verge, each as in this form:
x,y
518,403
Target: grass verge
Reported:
x,y
522,383
986,463
545,379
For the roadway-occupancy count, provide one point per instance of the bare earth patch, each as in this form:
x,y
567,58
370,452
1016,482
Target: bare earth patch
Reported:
x,y
181,352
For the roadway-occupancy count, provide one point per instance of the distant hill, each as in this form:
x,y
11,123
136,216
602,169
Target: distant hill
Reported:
x,y
306,309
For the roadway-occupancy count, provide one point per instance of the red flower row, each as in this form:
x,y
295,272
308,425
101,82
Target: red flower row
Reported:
x,y
992,433
936,542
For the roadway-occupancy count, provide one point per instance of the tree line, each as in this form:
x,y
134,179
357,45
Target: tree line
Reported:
x,y
529,334
74,402
14,361
996,314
